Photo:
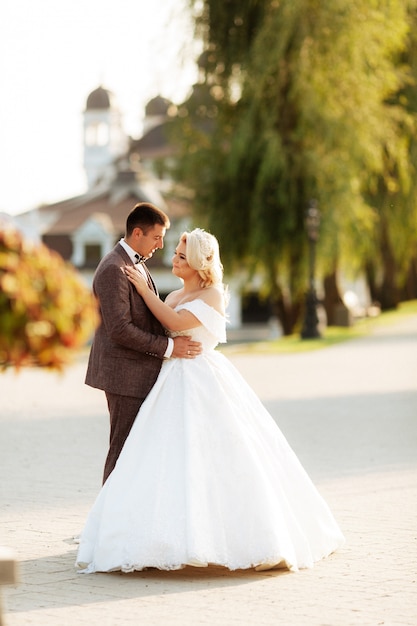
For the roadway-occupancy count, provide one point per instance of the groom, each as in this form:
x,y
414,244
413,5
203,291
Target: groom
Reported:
x,y
130,343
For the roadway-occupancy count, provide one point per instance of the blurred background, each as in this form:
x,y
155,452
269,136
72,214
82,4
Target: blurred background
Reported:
x,y
286,129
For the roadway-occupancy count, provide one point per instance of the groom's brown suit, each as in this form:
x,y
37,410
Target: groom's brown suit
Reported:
x,y
127,351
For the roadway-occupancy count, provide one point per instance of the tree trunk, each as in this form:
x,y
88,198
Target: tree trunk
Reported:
x,y
409,291
336,311
287,312
371,281
389,292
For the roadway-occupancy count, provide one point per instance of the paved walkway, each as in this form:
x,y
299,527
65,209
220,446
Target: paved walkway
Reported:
x,y
350,413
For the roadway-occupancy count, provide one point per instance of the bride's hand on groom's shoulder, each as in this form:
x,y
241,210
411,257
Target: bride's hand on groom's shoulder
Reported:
x,y
135,278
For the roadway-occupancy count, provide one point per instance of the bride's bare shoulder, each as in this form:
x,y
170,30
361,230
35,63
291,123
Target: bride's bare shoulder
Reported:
x,y
214,297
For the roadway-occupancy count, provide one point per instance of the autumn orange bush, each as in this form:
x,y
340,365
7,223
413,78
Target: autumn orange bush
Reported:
x,y
46,311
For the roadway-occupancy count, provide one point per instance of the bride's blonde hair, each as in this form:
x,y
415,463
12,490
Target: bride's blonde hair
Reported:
x,y
202,254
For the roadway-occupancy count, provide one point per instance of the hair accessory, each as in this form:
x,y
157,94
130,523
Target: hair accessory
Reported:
x,y
205,246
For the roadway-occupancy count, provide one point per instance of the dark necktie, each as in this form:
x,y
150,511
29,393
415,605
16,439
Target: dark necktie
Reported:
x,y
139,258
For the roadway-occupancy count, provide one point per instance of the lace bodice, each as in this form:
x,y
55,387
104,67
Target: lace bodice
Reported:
x,y
213,328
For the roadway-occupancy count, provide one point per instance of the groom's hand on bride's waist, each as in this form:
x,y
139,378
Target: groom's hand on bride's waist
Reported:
x,y
186,348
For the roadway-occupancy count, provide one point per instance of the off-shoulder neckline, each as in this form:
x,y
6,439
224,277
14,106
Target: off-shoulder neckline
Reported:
x,y
205,304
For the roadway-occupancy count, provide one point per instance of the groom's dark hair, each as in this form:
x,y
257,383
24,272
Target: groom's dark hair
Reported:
x,y
144,215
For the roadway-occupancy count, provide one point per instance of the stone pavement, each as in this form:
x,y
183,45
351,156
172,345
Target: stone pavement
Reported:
x,y
349,412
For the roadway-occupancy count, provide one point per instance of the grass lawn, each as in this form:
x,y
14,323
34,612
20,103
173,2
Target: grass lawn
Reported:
x,y
331,335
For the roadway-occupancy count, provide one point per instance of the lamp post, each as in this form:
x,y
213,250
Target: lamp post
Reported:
x,y
312,223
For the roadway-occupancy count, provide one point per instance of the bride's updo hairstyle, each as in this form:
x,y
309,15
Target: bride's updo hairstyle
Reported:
x,y
202,254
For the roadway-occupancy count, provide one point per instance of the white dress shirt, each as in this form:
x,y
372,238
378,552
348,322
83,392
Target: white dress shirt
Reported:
x,y
132,256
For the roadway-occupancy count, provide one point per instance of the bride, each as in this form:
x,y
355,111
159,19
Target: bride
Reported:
x,y
205,475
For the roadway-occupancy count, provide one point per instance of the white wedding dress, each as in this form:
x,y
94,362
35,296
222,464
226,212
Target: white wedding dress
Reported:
x,y
206,477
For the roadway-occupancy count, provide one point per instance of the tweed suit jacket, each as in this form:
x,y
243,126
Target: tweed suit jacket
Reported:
x,y
129,344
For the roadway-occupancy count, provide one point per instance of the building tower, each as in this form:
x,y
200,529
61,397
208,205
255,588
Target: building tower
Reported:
x,y
104,137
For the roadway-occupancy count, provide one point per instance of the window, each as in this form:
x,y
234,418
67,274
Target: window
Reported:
x,y
92,254
97,134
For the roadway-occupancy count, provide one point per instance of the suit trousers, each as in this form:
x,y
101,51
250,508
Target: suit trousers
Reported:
x,y
123,411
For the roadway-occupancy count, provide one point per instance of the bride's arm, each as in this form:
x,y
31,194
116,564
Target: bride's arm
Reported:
x,y
183,320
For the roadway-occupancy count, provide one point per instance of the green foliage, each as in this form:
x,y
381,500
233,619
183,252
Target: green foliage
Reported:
x,y
45,310
228,28
314,100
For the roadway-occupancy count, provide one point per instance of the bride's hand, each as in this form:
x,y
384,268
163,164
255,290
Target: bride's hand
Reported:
x,y
136,278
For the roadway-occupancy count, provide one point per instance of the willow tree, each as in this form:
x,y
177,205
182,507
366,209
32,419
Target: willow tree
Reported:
x,y
391,263
300,108
355,125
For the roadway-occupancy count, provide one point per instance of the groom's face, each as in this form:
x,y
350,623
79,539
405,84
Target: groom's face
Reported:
x,y
147,244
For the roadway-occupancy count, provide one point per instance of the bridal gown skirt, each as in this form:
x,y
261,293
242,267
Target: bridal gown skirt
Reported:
x,y
206,477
